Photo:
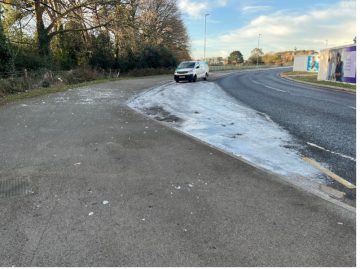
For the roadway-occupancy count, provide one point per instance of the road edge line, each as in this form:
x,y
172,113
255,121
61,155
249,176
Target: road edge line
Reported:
x,y
327,172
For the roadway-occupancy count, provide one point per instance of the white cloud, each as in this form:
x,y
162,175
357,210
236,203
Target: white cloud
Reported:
x,y
191,8
221,3
254,9
197,8
283,30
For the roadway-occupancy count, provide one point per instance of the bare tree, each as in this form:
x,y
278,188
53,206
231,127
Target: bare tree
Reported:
x,y
162,25
51,15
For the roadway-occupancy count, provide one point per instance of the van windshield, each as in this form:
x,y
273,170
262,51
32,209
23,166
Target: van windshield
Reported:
x,y
187,65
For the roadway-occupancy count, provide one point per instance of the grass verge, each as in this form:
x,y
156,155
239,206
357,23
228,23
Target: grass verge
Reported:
x,y
312,78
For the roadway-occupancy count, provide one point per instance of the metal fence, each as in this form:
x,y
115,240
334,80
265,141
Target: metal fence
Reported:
x,y
214,68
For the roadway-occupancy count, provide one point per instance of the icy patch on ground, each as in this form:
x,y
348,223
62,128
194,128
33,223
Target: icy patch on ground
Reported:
x,y
90,96
205,111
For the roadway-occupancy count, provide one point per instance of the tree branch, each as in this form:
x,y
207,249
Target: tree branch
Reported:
x,y
10,3
77,30
75,7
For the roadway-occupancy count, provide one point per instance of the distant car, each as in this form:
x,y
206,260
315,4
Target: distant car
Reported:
x,y
191,71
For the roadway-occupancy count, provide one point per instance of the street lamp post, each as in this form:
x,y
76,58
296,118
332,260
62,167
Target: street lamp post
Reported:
x,y
205,37
257,59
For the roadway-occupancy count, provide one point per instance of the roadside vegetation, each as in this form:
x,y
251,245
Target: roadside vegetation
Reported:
x,y
52,43
312,78
46,79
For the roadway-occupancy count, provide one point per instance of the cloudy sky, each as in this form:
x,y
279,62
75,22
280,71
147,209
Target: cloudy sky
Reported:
x,y
283,24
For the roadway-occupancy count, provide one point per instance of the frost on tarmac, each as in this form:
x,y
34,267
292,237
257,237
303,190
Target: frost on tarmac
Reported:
x,y
205,111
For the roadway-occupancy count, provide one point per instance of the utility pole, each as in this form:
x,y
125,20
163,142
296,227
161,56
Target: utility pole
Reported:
x,y
257,59
207,14
294,53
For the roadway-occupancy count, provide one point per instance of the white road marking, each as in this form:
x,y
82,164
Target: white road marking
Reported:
x,y
266,86
333,152
352,107
274,88
253,81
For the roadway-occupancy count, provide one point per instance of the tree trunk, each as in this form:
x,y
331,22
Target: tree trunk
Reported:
x,y
43,36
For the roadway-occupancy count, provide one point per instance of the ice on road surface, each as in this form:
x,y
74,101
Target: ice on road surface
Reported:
x,y
205,111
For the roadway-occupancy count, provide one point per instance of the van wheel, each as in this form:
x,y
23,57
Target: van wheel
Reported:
x,y
195,78
177,81
206,76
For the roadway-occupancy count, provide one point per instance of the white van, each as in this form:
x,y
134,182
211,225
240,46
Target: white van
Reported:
x,y
191,71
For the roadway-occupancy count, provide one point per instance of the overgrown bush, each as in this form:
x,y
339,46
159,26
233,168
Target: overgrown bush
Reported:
x,y
102,56
156,57
12,85
29,59
44,78
80,75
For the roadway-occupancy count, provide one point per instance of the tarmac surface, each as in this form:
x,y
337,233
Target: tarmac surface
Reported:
x,y
86,181
322,120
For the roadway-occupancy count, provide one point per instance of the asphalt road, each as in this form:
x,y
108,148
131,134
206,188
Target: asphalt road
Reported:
x,y
86,181
322,120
